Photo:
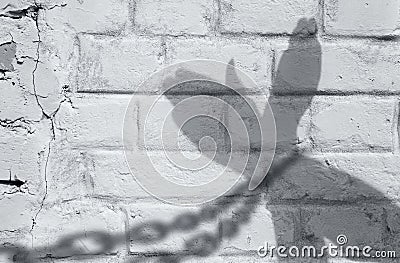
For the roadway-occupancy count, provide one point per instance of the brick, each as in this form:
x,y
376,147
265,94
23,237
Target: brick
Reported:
x,y
329,222
362,18
177,168
108,176
93,121
254,16
117,65
333,67
70,175
275,225
159,133
254,57
361,124
89,16
79,227
153,125
105,174
293,122
241,224
97,173
175,17
164,228
342,178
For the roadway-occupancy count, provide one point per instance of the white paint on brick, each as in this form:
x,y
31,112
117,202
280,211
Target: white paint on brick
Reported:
x,y
261,227
175,17
73,224
337,177
93,121
272,17
89,16
362,124
110,47
362,18
115,64
164,220
253,56
352,67
19,103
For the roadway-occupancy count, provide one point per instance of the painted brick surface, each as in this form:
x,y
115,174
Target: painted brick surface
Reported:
x,y
361,125
84,123
77,216
252,56
337,177
175,17
362,18
102,69
89,16
353,68
276,17
68,70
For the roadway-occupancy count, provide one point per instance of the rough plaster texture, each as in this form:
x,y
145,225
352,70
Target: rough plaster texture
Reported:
x,y
67,71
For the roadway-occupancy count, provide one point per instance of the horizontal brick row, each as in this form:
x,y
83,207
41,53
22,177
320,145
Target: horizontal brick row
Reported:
x,y
362,18
304,67
364,124
175,17
86,227
336,67
341,178
280,17
102,70
105,17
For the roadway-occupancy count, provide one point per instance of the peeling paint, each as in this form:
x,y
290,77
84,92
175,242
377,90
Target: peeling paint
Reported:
x,y
7,56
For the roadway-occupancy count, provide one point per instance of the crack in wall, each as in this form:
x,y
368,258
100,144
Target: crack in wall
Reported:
x,y
35,17
48,116
20,123
19,13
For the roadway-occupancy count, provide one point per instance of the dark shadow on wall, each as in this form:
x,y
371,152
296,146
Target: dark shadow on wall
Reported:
x,y
319,182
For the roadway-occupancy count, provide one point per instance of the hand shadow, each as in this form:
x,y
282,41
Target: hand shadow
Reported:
x,y
312,184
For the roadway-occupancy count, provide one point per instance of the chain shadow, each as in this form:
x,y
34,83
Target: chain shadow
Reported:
x,y
300,64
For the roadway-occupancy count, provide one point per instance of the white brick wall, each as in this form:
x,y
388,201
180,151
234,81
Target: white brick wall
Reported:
x,y
102,69
362,18
334,94
174,17
275,17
